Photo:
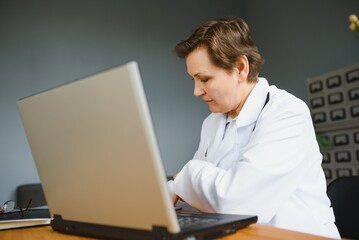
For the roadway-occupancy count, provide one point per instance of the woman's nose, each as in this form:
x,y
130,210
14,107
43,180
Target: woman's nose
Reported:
x,y
198,90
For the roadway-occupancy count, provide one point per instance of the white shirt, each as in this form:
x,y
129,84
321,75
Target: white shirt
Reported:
x,y
268,164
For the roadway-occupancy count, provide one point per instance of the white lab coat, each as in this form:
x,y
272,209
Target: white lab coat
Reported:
x,y
268,164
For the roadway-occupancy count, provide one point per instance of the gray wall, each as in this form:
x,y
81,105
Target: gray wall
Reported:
x,y
44,43
301,39
47,43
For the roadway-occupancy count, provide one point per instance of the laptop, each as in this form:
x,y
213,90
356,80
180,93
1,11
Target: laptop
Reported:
x,y
99,163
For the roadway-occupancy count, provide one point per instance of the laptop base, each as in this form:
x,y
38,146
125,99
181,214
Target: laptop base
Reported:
x,y
110,232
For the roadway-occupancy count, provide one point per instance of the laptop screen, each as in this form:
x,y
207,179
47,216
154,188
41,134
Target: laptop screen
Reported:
x,y
96,152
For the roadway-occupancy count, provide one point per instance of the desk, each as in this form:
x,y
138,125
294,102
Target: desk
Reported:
x,y
253,232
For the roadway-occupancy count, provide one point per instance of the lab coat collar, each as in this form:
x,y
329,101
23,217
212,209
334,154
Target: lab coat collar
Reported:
x,y
254,104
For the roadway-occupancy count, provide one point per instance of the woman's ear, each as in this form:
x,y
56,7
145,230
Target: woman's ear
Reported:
x,y
242,67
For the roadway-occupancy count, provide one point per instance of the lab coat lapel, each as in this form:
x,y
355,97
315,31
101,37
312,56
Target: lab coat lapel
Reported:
x,y
225,146
213,147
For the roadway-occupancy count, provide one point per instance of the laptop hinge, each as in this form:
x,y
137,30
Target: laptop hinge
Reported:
x,y
160,233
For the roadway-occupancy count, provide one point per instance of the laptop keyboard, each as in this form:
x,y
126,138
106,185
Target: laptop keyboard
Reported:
x,y
186,220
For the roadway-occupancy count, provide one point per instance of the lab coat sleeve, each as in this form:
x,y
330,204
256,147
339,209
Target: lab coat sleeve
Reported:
x,y
281,150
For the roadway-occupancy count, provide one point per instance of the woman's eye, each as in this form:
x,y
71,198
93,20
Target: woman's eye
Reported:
x,y
204,80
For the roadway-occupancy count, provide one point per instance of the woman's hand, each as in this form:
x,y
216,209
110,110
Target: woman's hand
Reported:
x,y
175,199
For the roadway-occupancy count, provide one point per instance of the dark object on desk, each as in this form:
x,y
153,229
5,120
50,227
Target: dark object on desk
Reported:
x,y
344,196
30,191
32,217
199,226
193,223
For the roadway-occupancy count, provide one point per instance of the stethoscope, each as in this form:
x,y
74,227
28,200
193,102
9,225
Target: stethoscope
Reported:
x,y
227,122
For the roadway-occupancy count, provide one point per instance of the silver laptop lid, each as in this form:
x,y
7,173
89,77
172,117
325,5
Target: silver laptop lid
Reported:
x,y
96,153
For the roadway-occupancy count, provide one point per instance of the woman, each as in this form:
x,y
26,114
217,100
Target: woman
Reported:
x,y
258,153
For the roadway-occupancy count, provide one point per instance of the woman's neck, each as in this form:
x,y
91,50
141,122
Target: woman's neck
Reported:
x,y
247,91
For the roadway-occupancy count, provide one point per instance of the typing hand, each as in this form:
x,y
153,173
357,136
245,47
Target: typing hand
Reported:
x,y
175,199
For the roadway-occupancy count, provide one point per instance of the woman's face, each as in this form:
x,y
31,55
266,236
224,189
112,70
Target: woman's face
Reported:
x,y
222,90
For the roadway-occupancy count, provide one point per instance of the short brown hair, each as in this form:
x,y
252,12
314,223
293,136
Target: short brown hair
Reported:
x,y
226,40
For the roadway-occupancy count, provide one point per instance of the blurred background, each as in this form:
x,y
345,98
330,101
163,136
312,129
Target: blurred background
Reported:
x,y
45,43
